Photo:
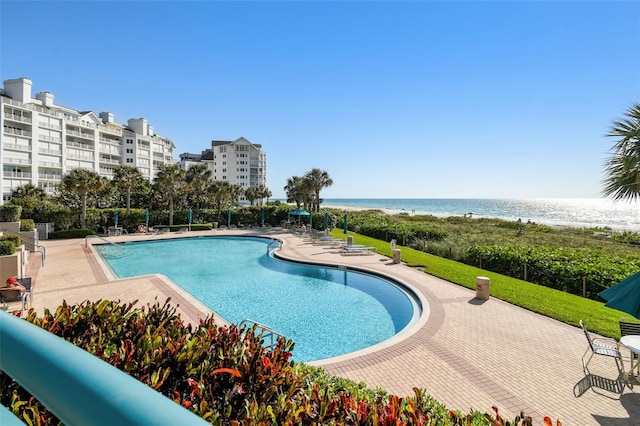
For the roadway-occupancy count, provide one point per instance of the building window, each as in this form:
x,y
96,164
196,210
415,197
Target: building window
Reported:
x,y
129,151
129,160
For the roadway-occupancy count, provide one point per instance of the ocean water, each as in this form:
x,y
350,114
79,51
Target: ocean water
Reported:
x,y
583,213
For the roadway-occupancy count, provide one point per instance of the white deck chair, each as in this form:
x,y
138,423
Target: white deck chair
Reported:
x,y
601,346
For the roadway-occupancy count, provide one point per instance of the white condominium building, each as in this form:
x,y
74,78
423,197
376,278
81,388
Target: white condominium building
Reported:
x,y
239,162
41,142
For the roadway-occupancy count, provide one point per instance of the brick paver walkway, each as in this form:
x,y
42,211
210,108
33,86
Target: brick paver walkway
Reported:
x,y
465,352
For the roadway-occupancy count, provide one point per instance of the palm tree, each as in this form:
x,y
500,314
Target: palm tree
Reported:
x,y
623,167
29,190
252,194
83,183
295,190
169,183
127,179
317,180
224,194
264,193
198,178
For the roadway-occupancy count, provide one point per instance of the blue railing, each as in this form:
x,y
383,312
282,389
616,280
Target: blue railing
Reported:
x,y
79,388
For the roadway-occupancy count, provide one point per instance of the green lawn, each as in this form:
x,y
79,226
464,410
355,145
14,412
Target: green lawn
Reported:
x,y
553,303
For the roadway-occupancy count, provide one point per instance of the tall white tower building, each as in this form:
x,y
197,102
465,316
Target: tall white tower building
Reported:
x,y
239,162
41,141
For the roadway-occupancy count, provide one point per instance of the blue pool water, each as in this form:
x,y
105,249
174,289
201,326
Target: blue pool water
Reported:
x,y
325,311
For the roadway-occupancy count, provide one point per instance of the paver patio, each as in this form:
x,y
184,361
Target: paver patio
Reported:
x,y
465,352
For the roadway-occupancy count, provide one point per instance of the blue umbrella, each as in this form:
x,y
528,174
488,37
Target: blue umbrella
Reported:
x,y
146,218
310,220
115,217
345,223
190,215
262,215
624,296
326,220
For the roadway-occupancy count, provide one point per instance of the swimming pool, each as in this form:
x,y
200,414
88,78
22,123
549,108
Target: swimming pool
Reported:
x,y
326,311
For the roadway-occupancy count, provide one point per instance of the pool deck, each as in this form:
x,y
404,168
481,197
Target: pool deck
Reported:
x,y
467,353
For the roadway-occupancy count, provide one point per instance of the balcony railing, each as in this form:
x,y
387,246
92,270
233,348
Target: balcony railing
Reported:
x,y
17,175
15,131
49,151
17,160
79,145
81,134
78,387
80,156
49,139
17,147
109,161
49,164
17,117
49,176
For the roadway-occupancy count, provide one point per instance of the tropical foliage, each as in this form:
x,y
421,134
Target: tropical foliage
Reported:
x,y
623,167
225,374
304,191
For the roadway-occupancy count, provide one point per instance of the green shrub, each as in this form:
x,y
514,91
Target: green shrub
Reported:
x,y
27,225
10,213
7,248
15,239
71,233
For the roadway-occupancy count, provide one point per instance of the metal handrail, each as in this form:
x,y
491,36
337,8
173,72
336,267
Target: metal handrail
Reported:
x,y
34,243
266,331
42,253
77,387
271,243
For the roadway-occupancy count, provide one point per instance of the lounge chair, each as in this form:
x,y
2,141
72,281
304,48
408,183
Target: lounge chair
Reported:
x,y
601,346
357,250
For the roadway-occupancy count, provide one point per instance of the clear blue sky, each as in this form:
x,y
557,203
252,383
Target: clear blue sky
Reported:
x,y
393,99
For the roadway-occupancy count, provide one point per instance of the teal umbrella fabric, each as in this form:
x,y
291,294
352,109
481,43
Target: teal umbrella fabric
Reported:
x,y
299,212
345,224
115,217
624,296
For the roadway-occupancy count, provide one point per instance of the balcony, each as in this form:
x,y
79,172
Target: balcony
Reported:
x,y
109,161
17,131
17,175
17,161
17,117
110,140
77,156
49,164
80,145
84,135
49,139
50,151
50,177
49,125
17,147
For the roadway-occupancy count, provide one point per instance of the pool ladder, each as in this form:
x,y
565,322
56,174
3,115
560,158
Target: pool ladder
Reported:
x,y
267,333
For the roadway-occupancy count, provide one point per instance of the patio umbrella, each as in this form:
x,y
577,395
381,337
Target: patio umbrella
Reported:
x,y
326,220
146,218
299,212
262,215
190,216
115,217
229,218
345,223
624,296
310,220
